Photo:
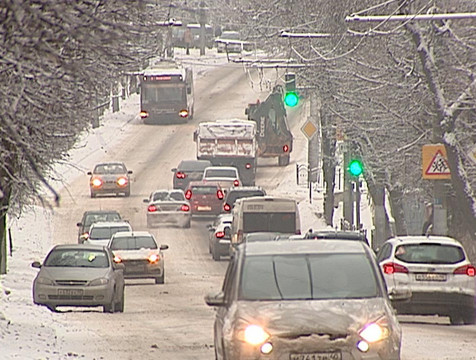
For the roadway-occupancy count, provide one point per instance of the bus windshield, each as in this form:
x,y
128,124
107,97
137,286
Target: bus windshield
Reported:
x,y
283,222
163,93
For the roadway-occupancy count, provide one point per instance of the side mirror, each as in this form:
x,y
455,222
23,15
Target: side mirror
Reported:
x,y
173,169
79,224
36,264
146,201
164,247
129,171
89,173
215,299
195,136
400,294
83,238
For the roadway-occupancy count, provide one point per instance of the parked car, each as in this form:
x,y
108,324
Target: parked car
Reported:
x,y
226,176
205,197
436,271
230,41
219,236
236,193
79,275
304,300
101,232
189,170
168,207
141,255
92,216
110,178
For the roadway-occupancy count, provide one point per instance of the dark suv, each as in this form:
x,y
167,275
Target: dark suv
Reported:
x,y
93,216
189,170
234,194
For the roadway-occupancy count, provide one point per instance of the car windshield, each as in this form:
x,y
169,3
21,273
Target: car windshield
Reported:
x,y
93,218
430,253
77,258
98,233
276,222
133,243
109,169
304,277
220,173
168,196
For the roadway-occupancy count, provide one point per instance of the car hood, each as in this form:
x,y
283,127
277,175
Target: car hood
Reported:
x,y
73,273
135,254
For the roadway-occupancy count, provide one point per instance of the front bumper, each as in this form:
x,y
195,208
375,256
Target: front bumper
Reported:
x,y
72,296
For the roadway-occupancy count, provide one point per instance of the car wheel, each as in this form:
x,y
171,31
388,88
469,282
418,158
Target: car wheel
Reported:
x,y
128,193
187,224
93,195
160,279
109,308
215,253
120,305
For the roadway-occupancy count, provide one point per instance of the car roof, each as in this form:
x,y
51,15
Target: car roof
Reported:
x,y
416,239
110,163
204,183
78,246
221,168
110,224
289,247
132,233
100,212
194,164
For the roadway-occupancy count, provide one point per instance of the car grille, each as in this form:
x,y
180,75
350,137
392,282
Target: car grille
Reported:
x,y
71,282
70,297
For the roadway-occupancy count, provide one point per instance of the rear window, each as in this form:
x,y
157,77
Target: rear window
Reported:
x,y
193,166
278,222
220,173
106,233
92,218
133,243
300,277
432,253
204,190
235,195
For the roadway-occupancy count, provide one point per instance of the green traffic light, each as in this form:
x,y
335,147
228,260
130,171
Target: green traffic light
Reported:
x,y
356,168
291,99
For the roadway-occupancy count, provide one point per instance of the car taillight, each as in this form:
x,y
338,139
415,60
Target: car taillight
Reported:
x,y
188,194
151,208
153,258
219,234
122,181
236,182
391,268
469,270
180,175
183,113
285,148
96,182
185,207
144,114
248,166
117,259
220,194
227,207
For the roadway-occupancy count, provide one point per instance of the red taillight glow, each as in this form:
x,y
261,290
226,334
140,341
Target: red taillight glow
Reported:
x,y
153,258
248,166
220,194
392,268
151,208
122,181
469,270
183,113
188,194
185,207
144,114
285,148
96,182
236,182
220,234
227,207
117,259
180,175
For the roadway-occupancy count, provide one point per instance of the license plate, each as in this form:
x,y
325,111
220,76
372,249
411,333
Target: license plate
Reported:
x,y
134,268
204,208
317,356
430,277
70,292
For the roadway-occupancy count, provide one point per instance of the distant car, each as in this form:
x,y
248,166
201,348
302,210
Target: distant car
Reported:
x,y
168,207
226,176
205,197
92,216
141,255
436,271
236,193
219,236
101,232
308,300
230,41
79,275
189,170
110,178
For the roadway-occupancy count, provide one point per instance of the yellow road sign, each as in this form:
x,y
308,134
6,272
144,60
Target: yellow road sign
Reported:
x,y
309,129
435,162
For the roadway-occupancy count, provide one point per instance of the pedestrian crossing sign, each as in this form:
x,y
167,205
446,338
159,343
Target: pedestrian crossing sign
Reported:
x,y
435,162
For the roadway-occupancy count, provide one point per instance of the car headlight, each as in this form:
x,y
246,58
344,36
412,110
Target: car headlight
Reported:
x,y
100,281
45,281
255,335
375,331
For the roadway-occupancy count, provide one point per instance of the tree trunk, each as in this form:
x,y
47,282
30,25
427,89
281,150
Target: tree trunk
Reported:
x,y
328,165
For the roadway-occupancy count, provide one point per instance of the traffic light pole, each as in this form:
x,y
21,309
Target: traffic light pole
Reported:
x,y
348,198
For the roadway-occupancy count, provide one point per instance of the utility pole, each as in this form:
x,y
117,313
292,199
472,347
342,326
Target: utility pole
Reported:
x,y
203,21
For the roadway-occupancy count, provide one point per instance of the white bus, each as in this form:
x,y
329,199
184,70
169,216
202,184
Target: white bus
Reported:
x,y
264,214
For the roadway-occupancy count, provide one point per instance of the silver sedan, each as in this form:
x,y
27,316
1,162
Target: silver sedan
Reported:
x,y
168,207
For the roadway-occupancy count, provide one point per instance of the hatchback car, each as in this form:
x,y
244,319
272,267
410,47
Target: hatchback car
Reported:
x,y
101,232
219,236
92,216
205,197
168,207
304,300
240,192
79,275
140,254
226,176
189,170
110,178
437,273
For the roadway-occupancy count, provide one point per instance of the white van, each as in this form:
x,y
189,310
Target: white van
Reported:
x,y
264,214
